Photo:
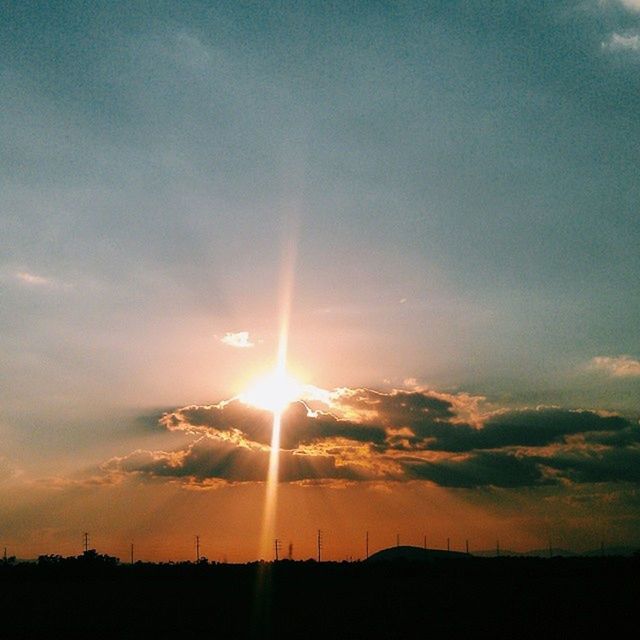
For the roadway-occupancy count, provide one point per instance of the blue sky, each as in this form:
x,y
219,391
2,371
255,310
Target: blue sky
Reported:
x,y
458,181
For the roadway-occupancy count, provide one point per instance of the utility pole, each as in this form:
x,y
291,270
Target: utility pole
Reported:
x,y
197,548
497,548
550,550
86,541
366,546
424,542
278,545
466,545
132,553
291,551
448,545
4,555
319,545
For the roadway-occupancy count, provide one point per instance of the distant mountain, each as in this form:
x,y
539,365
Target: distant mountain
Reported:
x,y
612,551
533,553
564,553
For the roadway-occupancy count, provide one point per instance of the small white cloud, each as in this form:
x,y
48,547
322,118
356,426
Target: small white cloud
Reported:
x,y
32,278
240,340
619,366
632,5
621,42
629,5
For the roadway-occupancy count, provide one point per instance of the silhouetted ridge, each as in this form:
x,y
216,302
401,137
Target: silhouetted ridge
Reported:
x,y
415,554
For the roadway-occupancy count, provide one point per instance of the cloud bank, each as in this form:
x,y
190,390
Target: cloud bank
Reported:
x,y
400,436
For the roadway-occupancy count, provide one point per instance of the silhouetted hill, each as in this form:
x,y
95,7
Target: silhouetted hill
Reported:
x,y
414,554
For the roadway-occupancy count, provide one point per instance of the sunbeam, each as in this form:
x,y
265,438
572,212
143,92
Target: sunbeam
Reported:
x,y
274,393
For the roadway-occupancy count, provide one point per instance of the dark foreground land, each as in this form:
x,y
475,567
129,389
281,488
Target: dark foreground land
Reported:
x,y
473,598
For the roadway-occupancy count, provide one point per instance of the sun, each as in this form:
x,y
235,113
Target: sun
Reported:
x,y
273,392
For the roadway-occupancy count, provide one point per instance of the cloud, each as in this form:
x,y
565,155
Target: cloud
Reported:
x,y
485,468
419,435
236,420
618,367
622,42
239,340
32,279
212,458
596,464
632,5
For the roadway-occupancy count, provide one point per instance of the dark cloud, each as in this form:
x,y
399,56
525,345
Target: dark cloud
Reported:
x,y
621,438
211,458
586,464
539,427
482,468
436,423
298,427
530,428
400,435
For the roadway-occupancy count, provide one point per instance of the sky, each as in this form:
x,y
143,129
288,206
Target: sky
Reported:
x,y
441,199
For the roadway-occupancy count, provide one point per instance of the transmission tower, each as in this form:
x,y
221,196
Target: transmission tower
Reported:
x,y
278,546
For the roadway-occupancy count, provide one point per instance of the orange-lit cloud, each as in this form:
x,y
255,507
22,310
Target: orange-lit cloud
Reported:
x,y
399,436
